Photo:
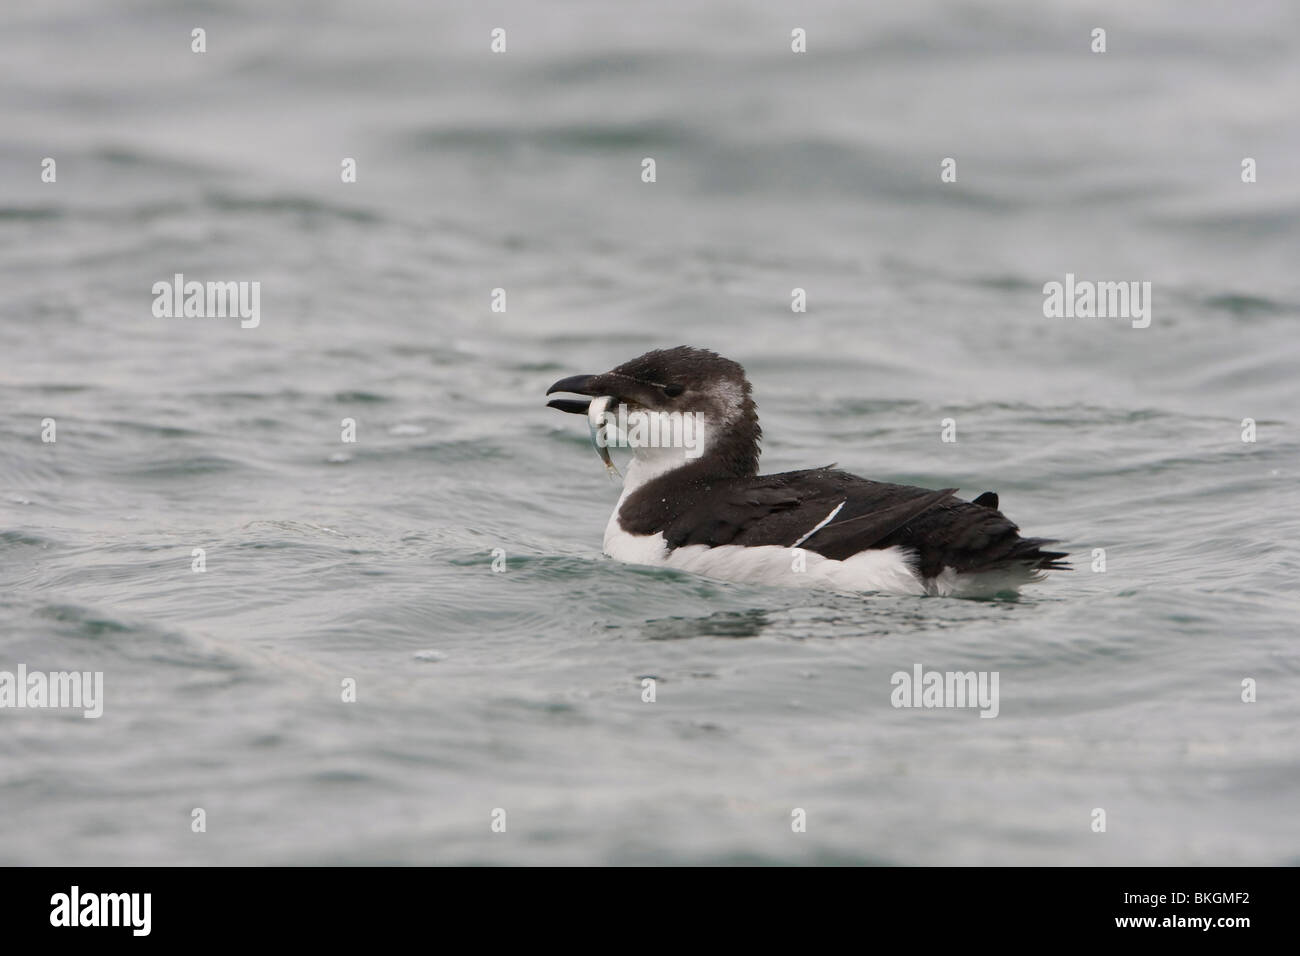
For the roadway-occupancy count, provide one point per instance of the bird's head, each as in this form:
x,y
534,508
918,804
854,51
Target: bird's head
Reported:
x,y
673,407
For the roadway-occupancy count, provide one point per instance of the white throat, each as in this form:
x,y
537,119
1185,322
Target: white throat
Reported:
x,y
660,442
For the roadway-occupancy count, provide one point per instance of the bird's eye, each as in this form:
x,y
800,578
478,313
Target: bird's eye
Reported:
x,y
672,391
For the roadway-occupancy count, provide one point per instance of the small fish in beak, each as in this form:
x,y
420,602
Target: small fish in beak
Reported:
x,y
599,433
598,387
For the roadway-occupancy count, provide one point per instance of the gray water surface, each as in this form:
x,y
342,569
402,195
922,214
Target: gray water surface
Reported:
x,y
521,690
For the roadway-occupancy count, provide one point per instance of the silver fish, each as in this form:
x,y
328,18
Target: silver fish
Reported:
x,y
596,422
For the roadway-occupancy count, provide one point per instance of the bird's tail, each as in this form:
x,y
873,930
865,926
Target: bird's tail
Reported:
x,y
1029,551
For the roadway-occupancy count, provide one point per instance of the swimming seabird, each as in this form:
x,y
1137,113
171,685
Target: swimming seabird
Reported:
x,y
697,503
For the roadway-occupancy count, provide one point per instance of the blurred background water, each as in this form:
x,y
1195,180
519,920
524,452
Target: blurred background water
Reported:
x,y
522,690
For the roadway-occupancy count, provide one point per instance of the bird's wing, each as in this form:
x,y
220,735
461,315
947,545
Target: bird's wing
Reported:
x,y
787,509
837,515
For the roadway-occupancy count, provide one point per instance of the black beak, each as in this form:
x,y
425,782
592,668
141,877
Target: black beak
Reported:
x,y
577,384
614,384
569,405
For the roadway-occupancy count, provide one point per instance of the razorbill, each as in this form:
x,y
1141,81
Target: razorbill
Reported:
x,y
693,498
